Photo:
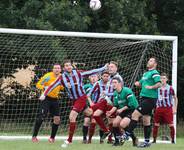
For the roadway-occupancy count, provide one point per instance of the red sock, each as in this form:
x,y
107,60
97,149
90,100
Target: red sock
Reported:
x,y
72,127
155,132
91,131
101,123
110,136
172,132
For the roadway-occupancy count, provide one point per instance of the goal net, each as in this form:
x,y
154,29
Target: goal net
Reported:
x,y
26,55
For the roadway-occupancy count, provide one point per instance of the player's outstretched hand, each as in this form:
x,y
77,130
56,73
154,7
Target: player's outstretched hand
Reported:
x,y
107,66
42,97
137,83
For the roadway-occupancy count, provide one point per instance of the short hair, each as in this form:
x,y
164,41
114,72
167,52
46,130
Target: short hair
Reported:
x,y
105,72
117,78
57,64
67,61
154,59
115,63
164,74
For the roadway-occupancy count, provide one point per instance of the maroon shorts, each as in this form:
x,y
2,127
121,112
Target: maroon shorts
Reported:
x,y
103,106
163,115
80,104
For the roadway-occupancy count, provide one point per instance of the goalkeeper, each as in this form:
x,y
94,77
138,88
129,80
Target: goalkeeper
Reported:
x,y
50,104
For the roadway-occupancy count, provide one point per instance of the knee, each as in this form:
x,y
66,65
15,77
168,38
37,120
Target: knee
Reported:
x,y
135,115
157,124
57,120
146,122
171,125
115,124
89,112
86,121
123,125
73,116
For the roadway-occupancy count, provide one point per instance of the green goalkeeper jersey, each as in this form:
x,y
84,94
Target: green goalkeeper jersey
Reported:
x,y
149,78
87,88
125,98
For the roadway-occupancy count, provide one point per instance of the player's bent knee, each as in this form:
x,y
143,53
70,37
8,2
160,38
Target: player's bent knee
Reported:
x,y
57,120
123,124
89,112
171,125
97,113
157,124
115,124
135,115
73,115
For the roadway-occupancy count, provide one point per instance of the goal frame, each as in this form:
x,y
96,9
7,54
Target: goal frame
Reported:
x,y
174,40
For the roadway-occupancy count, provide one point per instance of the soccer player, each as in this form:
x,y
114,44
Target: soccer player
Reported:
x,y
50,104
165,108
149,83
87,87
72,80
125,103
104,91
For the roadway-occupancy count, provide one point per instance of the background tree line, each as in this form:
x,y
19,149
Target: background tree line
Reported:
x,y
164,17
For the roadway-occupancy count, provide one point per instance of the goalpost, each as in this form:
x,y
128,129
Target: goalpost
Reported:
x,y
27,54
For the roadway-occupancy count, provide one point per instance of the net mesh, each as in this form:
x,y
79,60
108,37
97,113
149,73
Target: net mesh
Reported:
x,y
25,58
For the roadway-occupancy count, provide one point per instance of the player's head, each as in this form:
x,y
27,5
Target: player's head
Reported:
x,y
113,67
67,65
56,69
117,83
105,76
152,63
163,78
93,78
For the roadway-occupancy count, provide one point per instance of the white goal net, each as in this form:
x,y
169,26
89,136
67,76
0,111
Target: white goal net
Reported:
x,y
26,55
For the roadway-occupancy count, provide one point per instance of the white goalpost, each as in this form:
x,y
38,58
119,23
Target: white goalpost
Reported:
x,y
25,55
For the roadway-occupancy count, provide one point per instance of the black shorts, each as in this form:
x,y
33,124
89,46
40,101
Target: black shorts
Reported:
x,y
127,113
146,105
50,105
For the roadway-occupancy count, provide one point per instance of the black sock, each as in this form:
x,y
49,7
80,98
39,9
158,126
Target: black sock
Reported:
x,y
147,133
133,136
116,133
37,126
101,133
132,126
85,132
54,130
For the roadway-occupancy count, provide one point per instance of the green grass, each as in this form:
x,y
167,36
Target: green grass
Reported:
x,y
44,145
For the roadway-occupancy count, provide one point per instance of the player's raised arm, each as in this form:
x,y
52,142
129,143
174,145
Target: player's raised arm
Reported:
x,y
94,71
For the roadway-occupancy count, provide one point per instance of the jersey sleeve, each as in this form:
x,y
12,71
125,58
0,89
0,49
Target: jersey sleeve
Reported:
x,y
42,81
132,101
87,88
172,91
156,76
91,72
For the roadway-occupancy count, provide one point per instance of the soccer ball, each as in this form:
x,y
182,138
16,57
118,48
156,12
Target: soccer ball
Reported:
x,y
95,4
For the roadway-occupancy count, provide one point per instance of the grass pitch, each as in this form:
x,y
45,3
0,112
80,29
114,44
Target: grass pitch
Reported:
x,y
77,145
